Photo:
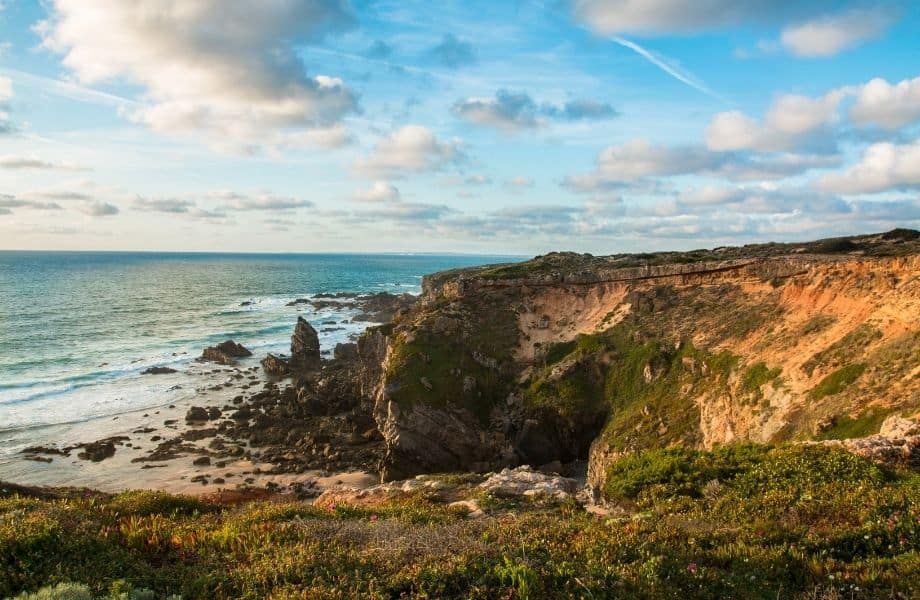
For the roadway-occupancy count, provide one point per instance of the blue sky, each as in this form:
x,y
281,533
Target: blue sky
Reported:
x,y
506,127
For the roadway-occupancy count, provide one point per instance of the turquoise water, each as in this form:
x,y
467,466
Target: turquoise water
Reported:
x,y
77,329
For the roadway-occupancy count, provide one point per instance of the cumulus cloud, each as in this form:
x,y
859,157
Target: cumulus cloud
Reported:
x,y
513,111
831,34
8,201
213,66
380,191
410,149
507,110
98,208
262,201
639,158
405,212
680,16
884,166
792,121
453,52
881,103
6,88
581,110
162,205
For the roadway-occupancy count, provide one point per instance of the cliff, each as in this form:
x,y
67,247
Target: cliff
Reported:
x,y
571,356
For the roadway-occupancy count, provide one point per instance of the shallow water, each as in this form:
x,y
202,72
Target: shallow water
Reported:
x,y
77,329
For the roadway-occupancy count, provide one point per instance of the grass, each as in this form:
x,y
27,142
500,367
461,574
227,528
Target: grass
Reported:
x,y
788,522
756,376
837,381
846,427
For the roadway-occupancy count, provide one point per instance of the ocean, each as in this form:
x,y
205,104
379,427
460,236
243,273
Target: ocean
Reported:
x,y
77,329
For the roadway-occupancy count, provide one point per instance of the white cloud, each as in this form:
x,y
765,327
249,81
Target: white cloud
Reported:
x,y
666,16
6,88
884,166
891,106
163,205
380,191
831,34
513,111
97,208
412,148
263,201
637,159
216,66
31,162
508,110
789,122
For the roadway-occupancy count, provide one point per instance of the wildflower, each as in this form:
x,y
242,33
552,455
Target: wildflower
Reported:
x,y
692,568
372,517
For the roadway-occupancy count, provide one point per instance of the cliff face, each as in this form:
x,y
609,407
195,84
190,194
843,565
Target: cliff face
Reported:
x,y
572,356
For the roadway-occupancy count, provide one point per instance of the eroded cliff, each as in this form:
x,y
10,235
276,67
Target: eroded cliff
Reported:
x,y
573,356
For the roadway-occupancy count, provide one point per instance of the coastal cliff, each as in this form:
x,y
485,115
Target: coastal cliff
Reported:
x,y
569,356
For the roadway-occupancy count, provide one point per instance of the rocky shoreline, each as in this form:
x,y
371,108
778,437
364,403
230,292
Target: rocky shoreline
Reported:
x,y
292,424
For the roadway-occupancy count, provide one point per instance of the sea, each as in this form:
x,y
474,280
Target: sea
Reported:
x,y
77,329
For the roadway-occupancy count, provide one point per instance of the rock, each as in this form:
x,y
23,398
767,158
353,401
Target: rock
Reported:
x,y
896,426
231,348
202,461
196,413
470,506
97,451
214,413
274,366
298,301
225,353
524,481
305,354
157,371
346,351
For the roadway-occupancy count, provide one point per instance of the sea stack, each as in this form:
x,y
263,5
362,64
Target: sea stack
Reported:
x,y
304,347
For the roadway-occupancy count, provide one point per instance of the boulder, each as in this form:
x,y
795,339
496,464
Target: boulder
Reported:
x,y
231,348
196,413
304,346
157,371
524,481
346,351
225,353
274,366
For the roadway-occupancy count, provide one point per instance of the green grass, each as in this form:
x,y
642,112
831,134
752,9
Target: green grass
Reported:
x,y
837,381
756,376
866,423
788,522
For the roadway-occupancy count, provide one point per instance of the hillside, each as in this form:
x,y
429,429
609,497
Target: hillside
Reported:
x,y
571,356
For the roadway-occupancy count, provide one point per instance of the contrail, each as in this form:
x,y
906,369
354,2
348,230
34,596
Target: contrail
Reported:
x,y
672,70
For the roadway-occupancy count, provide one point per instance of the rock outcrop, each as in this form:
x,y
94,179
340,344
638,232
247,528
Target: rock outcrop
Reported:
x,y
225,353
572,356
305,353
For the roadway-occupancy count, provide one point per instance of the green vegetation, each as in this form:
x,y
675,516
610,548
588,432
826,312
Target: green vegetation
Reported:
x,y
433,363
645,385
848,349
756,376
837,381
818,323
740,522
846,427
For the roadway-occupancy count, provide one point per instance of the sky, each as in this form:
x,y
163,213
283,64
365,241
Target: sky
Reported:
x,y
516,127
